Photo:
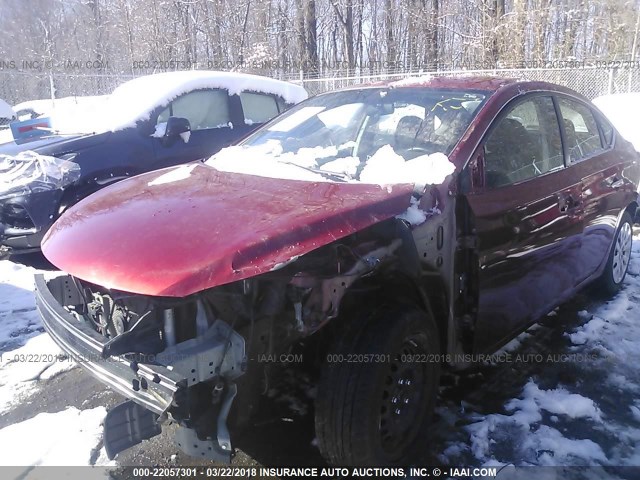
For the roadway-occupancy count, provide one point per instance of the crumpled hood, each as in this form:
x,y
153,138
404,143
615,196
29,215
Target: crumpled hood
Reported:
x,y
184,229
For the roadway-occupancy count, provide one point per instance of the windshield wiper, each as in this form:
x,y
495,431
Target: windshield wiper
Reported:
x,y
345,177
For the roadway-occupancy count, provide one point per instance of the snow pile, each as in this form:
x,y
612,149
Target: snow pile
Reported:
x,y
621,109
541,444
27,355
269,160
136,99
386,167
67,438
6,136
78,114
6,112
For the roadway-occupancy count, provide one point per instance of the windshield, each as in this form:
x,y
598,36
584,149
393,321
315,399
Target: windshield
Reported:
x,y
371,135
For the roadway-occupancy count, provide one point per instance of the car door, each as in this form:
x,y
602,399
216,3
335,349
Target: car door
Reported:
x,y
211,117
590,154
528,222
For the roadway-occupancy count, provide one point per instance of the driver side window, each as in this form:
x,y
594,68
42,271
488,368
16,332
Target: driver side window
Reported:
x,y
524,144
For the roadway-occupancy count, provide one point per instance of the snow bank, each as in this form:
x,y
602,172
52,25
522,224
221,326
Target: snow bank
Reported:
x,y
77,114
5,110
26,354
134,100
67,438
531,441
622,110
22,369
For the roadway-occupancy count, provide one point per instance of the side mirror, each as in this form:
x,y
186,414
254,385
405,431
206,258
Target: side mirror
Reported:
x,y
176,126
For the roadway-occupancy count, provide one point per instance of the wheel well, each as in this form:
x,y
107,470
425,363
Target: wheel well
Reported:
x,y
632,208
374,292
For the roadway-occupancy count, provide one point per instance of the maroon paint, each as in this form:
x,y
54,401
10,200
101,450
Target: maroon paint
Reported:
x,y
212,228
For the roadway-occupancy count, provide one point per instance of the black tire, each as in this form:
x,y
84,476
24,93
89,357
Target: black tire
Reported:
x,y
354,421
614,272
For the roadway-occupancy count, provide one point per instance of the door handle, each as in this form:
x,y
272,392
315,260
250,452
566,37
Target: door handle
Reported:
x,y
566,202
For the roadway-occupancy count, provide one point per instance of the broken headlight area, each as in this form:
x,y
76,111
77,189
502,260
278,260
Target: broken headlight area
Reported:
x,y
203,361
29,172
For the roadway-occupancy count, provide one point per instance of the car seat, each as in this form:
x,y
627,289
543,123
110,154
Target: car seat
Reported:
x,y
406,131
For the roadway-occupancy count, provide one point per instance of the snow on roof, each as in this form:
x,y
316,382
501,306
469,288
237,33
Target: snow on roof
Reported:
x,y
5,110
136,99
75,114
622,110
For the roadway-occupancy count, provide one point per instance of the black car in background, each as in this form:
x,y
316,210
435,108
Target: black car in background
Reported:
x,y
147,123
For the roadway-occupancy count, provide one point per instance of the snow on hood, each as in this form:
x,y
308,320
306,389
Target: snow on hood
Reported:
x,y
136,99
384,167
387,167
621,109
5,110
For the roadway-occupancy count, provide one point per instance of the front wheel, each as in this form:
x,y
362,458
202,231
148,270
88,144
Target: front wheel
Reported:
x,y
378,389
618,262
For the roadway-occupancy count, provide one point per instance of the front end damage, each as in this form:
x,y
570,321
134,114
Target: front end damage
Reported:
x,y
190,360
31,188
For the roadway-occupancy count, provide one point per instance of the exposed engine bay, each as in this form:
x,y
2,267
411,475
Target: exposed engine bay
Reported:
x,y
216,339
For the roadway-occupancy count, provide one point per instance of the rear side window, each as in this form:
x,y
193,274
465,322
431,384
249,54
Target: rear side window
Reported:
x,y
607,131
524,144
257,107
581,130
203,108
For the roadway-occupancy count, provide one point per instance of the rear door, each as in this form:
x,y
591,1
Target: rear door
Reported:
x,y
527,218
589,143
211,116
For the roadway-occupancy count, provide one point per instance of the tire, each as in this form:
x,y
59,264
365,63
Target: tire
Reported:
x,y
611,279
357,420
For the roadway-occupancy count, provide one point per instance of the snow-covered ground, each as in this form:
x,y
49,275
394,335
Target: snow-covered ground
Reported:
x,y
564,393
28,359
576,404
579,404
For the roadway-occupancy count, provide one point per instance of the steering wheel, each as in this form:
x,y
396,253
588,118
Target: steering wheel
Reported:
x,y
418,150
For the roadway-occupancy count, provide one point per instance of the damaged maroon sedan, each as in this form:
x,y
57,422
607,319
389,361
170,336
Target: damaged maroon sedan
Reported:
x,y
396,228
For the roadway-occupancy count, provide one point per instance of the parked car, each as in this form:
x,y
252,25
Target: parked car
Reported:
x,y
397,229
147,123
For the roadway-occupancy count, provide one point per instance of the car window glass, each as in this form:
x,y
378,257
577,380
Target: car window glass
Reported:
x,y
257,107
204,109
523,144
607,131
581,130
282,105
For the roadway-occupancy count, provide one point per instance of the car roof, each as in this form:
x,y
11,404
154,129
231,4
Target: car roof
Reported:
x,y
464,82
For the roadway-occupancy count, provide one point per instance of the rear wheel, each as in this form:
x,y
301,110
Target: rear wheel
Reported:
x,y
619,257
378,389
